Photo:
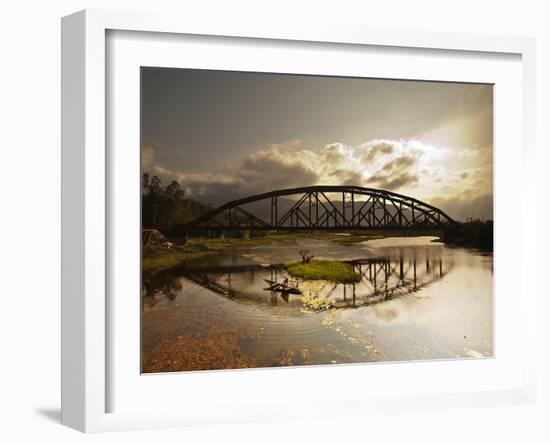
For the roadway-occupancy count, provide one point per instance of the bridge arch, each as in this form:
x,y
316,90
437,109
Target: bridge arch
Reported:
x,y
310,208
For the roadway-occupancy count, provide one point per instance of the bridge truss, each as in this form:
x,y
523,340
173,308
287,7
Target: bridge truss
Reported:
x,y
323,208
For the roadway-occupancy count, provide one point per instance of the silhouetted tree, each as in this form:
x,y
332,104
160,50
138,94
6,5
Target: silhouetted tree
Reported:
x,y
173,190
166,204
155,185
145,182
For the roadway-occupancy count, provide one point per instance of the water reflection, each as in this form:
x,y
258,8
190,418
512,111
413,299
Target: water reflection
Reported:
x,y
384,278
158,286
381,279
414,300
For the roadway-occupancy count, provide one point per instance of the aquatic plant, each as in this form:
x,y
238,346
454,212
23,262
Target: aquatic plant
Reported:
x,y
204,345
336,271
314,302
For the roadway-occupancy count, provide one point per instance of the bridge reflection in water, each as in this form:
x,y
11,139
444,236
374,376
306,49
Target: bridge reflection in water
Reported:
x,y
381,279
384,279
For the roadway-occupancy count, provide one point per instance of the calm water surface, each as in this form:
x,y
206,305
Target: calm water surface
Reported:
x,y
417,299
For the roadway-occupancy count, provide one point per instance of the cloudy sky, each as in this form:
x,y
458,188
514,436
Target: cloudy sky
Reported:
x,y
224,135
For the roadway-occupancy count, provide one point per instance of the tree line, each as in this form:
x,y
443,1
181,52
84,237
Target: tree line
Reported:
x,y
166,205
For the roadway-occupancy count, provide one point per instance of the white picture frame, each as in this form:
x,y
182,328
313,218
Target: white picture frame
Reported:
x,y
86,201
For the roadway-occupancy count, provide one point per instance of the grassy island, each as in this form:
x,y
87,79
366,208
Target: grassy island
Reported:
x,y
336,271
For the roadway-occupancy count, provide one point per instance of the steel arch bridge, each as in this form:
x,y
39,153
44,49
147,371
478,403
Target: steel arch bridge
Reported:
x,y
324,207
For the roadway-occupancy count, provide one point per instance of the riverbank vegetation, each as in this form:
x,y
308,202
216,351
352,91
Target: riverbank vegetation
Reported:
x,y
476,234
161,257
167,204
282,239
164,255
243,241
336,271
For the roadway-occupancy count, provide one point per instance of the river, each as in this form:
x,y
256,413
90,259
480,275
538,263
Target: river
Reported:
x,y
417,300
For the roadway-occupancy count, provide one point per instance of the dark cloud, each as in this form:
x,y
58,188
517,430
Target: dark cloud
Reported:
x,y
391,182
396,174
383,147
211,190
349,177
268,172
334,153
399,163
276,167
271,170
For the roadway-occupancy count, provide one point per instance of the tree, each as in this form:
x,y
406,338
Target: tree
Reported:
x,y
145,180
165,204
155,185
173,190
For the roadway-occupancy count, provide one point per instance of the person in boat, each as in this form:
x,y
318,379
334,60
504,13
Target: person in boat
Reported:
x,y
285,285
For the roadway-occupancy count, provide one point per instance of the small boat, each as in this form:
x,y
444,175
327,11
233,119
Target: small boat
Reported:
x,y
275,286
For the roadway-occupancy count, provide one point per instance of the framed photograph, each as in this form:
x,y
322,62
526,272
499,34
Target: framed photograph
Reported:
x,y
256,216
